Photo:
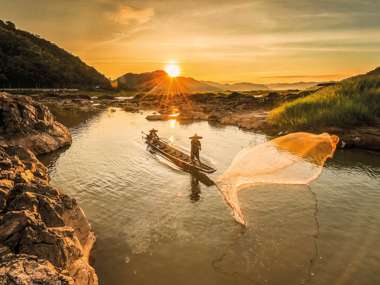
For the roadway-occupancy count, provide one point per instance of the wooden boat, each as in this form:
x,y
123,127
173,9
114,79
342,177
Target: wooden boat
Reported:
x,y
177,156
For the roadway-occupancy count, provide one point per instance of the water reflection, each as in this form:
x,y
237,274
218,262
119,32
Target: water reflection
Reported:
x,y
195,194
50,159
173,123
70,117
361,161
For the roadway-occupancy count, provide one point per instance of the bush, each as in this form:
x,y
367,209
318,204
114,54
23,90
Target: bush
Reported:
x,y
354,101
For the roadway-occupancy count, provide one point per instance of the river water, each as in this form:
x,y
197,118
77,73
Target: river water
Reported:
x,y
156,225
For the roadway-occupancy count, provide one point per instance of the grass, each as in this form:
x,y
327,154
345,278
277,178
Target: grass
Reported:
x,y
352,102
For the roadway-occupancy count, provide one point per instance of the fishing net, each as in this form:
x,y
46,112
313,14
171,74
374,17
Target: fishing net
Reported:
x,y
297,158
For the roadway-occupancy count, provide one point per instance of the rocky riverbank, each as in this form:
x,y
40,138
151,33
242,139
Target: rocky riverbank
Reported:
x,y
26,123
250,112
246,110
45,237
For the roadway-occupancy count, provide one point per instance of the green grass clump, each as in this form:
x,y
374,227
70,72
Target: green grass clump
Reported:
x,y
351,102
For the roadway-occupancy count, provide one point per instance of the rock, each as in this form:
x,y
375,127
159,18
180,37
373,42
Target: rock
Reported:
x,y
29,124
106,97
156,117
215,117
131,108
25,270
362,137
74,97
44,234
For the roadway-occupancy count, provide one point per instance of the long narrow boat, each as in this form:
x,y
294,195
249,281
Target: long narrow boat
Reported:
x,y
177,156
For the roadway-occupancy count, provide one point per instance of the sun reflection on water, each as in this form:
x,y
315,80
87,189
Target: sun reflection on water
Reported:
x,y
173,123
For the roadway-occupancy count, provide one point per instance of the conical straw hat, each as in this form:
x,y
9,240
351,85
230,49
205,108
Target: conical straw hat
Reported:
x,y
195,137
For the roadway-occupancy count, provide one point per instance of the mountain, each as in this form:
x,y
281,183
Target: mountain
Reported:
x,y
28,61
159,82
241,86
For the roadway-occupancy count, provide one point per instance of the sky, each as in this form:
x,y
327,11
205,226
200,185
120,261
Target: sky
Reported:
x,y
262,41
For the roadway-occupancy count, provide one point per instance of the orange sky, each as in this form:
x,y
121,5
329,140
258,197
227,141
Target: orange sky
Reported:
x,y
256,41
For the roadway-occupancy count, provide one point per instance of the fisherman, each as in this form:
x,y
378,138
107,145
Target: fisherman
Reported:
x,y
152,136
195,148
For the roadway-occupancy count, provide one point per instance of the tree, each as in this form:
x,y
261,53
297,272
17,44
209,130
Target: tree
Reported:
x,y
10,25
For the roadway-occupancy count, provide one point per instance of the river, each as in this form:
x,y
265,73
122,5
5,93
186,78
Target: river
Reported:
x,y
156,225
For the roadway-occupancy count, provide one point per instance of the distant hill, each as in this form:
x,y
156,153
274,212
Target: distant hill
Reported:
x,y
158,81
241,86
28,61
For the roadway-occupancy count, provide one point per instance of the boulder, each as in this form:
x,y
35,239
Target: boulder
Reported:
x,y
131,108
25,270
45,238
156,117
362,137
30,124
106,97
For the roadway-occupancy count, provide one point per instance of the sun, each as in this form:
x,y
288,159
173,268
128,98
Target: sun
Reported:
x,y
173,69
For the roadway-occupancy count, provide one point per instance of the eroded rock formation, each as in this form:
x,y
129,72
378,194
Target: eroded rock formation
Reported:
x,y
30,124
45,237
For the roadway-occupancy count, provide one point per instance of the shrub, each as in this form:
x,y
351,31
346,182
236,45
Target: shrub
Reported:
x,y
354,101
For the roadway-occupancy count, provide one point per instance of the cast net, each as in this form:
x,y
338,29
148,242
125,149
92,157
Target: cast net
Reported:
x,y
296,158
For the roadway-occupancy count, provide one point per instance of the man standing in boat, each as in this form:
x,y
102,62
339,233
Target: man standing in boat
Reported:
x,y
152,136
195,148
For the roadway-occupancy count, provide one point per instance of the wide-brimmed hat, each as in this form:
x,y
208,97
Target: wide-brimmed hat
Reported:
x,y
153,130
195,137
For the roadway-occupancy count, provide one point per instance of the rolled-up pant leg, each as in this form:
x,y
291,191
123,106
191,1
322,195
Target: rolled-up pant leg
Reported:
x,y
195,155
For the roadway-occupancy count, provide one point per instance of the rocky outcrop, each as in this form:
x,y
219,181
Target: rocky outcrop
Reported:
x,y
246,110
26,269
361,137
29,124
45,237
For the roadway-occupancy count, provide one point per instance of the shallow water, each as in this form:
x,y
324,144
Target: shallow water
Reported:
x,y
155,225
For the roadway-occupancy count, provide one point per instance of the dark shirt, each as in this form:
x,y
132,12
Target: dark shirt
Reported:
x,y
195,146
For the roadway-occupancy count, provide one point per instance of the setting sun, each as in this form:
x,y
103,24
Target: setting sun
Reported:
x,y
173,69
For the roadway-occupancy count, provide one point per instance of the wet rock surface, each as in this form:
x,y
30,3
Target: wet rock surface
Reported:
x,y
30,124
361,137
45,237
25,269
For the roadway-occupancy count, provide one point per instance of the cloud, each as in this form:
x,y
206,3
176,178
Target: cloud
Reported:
x,y
239,39
127,15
